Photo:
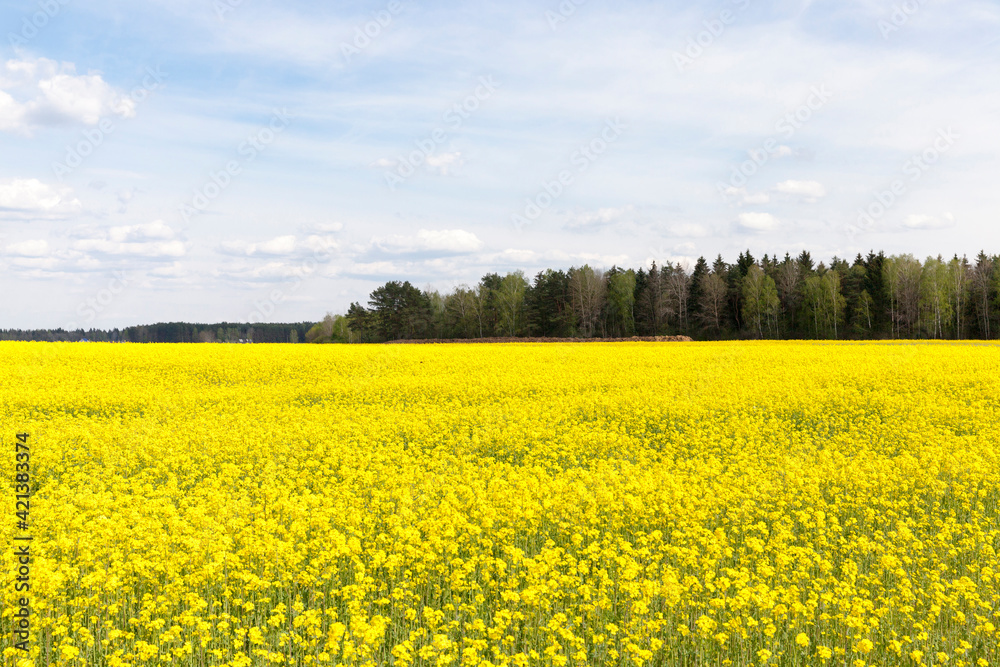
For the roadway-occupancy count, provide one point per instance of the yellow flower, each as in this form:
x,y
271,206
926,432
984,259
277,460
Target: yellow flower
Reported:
x,y
511,504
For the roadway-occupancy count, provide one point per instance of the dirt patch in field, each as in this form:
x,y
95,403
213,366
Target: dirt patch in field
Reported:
x,y
633,339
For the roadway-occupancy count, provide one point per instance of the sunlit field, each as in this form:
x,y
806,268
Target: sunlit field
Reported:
x,y
523,504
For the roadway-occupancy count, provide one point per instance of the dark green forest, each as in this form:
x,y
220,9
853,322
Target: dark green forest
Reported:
x,y
874,297
172,332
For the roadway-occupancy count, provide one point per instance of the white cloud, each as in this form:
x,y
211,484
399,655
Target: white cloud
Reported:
x,y
376,269
316,243
29,197
929,222
602,217
150,231
281,246
44,92
519,256
153,240
327,227
522,258
11,113
152,249
688,230
443,162
747,198
172,270
271,271
33,248
758,222
454,241
810,191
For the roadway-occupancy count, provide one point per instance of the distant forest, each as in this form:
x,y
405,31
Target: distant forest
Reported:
x,y
173,332
875,296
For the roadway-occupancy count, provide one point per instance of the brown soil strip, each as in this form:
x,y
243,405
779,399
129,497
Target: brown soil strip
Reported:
x,y
633,339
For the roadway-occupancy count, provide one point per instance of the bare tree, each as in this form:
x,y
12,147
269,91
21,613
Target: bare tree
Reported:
x,y
678,284
959,270
587,289
714,292
903,278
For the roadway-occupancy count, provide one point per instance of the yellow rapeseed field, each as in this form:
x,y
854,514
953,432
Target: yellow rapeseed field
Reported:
x,y
525,504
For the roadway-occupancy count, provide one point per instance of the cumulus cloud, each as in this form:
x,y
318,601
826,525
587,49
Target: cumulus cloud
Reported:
x,y
375,269
172,270
520,258
325,227
28,198
281,246
31,248
929,221
602,217
810,191
758,222
746,197
688,230
153,240
156,230
92,250
43,92
268,272
428,241
444,162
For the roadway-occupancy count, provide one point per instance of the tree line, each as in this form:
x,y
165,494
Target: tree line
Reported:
x,y
172,332
875,296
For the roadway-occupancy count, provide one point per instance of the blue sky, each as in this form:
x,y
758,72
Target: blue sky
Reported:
x,y
246,160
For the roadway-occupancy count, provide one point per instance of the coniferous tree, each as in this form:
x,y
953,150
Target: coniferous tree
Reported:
x,y
695,296
548,307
